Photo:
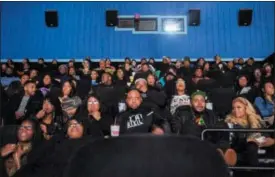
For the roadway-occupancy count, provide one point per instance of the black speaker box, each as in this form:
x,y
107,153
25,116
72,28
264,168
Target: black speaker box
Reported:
x,y
51,18
245,17
111,18
194,17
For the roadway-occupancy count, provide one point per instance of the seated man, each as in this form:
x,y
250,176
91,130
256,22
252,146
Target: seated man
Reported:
x,y
150,96
23,105
140,119
192,121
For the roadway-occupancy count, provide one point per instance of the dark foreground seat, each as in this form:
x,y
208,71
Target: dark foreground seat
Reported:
x,y
147,156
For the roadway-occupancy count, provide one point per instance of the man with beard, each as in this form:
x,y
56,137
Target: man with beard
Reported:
x,y
193,121
139,118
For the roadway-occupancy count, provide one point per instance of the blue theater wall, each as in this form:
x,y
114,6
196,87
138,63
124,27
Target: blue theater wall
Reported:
x,y
82,31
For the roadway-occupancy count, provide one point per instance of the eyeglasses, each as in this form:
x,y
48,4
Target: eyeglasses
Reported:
x,y
74,125
25,127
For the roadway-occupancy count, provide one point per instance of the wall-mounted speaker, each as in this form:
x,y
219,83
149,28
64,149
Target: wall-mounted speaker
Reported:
x,y
111,18
194,17
245,17
51,18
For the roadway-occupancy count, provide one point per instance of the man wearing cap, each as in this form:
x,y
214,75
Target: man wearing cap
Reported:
x,y
150,96
193,120
140,118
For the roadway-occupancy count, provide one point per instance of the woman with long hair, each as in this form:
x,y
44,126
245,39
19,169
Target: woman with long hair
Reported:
x,y
121,78
244,116
96,117
70,102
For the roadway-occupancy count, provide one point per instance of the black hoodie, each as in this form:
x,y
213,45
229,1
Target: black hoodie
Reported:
x,y
141,120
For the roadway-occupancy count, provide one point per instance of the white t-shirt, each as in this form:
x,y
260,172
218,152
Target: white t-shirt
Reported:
x,y
177,101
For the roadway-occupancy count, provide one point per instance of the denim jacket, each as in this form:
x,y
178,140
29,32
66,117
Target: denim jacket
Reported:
x,y
265,107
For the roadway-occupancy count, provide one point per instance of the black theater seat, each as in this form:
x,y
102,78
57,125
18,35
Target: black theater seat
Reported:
x,y
222,100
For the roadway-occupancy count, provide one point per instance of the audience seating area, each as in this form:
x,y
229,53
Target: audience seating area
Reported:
x,y
46,106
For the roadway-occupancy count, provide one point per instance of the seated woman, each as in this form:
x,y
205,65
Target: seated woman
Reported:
x,y
97,120
152,82
50,118
120,78
14,156
48,85
244,116
75,129
109,68
266,104
69,101
180,98
52,157
86,68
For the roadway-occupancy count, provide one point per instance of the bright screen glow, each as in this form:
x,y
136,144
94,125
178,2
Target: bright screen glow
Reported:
x,y
171,26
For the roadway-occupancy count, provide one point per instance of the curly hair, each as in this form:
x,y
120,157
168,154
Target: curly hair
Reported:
x,y
253,120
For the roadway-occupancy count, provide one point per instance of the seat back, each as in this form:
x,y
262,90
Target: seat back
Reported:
x,y
8,134
222,101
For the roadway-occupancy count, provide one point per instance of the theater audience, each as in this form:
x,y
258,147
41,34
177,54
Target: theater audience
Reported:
x,y
160,103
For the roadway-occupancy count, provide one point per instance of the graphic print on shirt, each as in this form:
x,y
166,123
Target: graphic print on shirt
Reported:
x,y
178,101
135,121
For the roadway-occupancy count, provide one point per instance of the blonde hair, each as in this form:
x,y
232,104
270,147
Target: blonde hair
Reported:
x,y
252,119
